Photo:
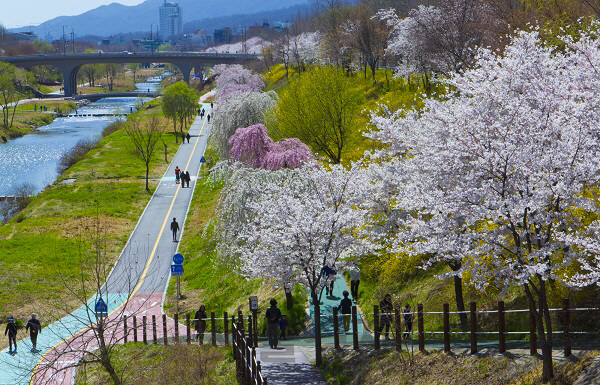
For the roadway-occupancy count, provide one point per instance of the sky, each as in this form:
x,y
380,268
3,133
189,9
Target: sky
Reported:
x,y
21,13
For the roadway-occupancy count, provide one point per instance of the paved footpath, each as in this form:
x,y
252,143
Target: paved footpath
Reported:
x,y
138,280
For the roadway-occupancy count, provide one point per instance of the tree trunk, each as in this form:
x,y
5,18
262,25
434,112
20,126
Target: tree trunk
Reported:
x,y
105,357
546,344
147,171
460,304
458,293
318,348
289,299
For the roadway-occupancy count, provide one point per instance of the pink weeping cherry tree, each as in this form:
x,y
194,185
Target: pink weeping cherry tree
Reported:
x,y
253,147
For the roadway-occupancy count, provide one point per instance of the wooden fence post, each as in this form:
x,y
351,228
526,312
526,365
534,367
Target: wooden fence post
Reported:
x,y
226,328
125,328
398,329
258,373
233,332
446,328
135,329
532,336
213,326
567,326
377,343
188,329
154,339
473,311
144,336
354,328
501,328
233,340
250,329
176,328
165,337
421,327
248,359
336,326
253,362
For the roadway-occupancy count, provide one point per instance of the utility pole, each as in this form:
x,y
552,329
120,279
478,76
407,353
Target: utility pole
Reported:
x,y
72,41
63,39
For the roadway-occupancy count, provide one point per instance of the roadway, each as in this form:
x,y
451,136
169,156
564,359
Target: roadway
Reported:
x,y
136,285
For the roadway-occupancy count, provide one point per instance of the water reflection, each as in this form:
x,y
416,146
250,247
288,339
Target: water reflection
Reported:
x,y
34,158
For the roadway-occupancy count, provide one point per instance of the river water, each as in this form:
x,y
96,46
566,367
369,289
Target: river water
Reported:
x,y
34,158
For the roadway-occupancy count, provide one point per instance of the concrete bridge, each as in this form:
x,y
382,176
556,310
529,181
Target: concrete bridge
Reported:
x,y
69,64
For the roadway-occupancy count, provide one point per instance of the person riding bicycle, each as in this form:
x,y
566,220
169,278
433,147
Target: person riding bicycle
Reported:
x,y
177,172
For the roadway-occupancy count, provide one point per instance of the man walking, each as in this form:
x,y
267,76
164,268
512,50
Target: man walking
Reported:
x,y
174,229
346,308
354,281
273,315
11,329
34,327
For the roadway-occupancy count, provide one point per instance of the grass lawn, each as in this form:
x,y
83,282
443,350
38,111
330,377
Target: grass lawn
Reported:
x,y
141,364
43,246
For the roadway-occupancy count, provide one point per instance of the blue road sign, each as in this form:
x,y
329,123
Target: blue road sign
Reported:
x,y
202,160
101,306
176,270
178,259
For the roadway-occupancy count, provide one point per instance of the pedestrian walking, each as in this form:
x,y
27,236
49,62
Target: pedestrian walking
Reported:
x,y
208,118
11,329
283,324
200,324
385,320
34,327
187,178
332,278
325,272
177,172
273,315
346,309
408,322
188,136
174,229
354,281
211,105
199,111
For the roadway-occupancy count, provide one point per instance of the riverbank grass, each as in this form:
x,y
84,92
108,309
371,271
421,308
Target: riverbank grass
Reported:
x,y
44,247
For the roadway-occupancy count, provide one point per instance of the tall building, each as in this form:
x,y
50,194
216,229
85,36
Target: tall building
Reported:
x,y
171,20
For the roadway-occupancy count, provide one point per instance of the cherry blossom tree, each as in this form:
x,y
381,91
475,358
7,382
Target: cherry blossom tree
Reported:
x,y
296,222
253,147
240,109
440,38
250,145
497,175
287,153
235,78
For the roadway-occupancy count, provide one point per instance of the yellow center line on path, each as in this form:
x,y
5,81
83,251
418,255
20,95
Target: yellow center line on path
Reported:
x,y
150,259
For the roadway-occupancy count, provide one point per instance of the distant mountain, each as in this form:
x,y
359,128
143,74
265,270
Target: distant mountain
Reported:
x,y
116,18
210,24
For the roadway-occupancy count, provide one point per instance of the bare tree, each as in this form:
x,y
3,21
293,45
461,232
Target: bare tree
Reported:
x,y
144,136
367,36
88,337
22,197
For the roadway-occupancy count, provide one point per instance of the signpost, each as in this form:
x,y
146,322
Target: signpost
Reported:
x,y
253,300
177,271
202,160
101,309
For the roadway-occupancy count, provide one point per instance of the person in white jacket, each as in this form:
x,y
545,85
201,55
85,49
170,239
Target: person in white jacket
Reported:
x,y
354,281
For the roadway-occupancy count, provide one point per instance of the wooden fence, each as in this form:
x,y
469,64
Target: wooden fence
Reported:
x,y
249,371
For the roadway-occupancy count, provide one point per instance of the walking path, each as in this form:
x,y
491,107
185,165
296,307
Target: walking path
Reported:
x,y
328,302
141,275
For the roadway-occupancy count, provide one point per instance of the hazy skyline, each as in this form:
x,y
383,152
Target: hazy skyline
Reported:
x,y
22,13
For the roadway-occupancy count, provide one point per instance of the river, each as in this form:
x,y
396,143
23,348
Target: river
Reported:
x,y
34,158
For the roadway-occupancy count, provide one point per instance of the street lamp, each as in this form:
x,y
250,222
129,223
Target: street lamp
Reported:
x,y
243,38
